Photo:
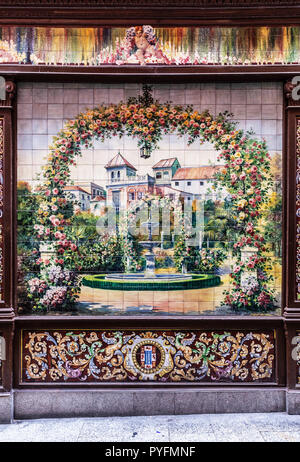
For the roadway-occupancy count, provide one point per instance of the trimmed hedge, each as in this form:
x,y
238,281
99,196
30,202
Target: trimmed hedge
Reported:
x,y
198,281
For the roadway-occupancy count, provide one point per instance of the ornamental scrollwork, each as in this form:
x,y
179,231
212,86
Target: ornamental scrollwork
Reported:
x,y
158,356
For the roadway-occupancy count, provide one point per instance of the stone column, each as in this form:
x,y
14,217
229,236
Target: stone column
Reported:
x,y
150,265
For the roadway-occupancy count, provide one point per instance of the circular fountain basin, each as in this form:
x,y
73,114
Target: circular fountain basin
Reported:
x,y
144,277
149,244
138,282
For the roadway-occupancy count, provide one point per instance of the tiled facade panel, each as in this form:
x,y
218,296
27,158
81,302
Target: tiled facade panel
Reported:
x,y
60,356
43,108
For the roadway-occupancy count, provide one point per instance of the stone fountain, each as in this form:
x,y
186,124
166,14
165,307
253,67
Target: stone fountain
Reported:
x,y
149,273
149,245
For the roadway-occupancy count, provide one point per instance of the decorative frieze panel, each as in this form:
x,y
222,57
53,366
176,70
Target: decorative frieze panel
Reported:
x,y
149,45
99,356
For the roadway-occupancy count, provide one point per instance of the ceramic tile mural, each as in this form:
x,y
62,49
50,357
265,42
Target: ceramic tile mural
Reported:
x,y
149,223
139,356
146,45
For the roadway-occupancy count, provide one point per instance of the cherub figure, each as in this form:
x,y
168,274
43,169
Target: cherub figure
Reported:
x,y
144,45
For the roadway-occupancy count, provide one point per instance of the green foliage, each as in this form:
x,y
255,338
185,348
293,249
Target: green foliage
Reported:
x,y
101,254
273,227
198,281
27,204
163,262
82,226
198,260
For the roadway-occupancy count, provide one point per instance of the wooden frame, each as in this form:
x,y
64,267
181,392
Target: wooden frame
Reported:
x,y
150,324
162,13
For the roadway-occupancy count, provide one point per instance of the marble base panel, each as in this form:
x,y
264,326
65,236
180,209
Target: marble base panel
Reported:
x,y
293,402
6,407
34,404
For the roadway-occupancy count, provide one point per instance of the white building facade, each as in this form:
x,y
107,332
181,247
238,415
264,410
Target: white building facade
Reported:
x,y
198,182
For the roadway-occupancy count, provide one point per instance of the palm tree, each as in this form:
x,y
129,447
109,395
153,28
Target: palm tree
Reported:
x,y
220,226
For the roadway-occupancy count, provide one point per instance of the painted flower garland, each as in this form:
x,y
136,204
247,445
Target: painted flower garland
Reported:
x,y
245,175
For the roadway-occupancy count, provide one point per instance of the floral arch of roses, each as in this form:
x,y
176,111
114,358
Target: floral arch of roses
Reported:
x,y
245,175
